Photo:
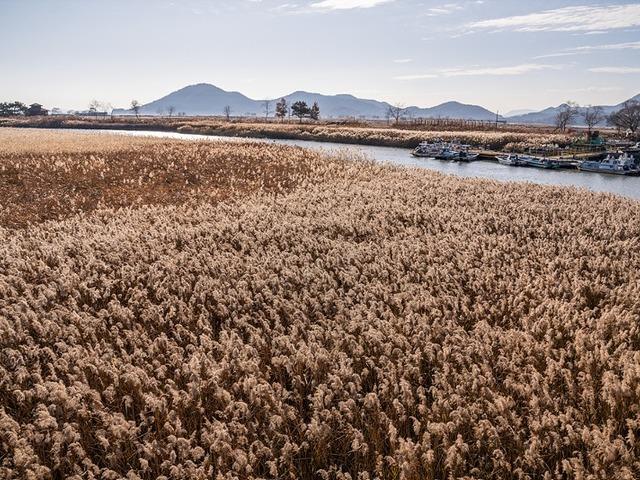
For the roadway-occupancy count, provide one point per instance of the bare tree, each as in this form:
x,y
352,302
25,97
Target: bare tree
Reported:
x,y
396,112
387,115
227,112
94,106
107,108
266,106
135,106
593,116
565,115
171,110
628,117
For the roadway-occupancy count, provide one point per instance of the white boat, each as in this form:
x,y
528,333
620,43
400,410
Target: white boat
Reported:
x,y
623,165
540,162
440,150
428,149
512,160
465,155
448,153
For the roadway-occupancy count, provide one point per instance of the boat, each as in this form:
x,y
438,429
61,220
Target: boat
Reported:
x,y
540,162
633,151
429,149
512,160
448,153
445,151
621,165
464,155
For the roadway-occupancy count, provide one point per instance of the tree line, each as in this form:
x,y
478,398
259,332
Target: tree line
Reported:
x,y
299,109
10,109
627,118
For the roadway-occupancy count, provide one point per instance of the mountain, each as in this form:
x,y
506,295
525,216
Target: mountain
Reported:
x,y
548,115
515,113
453,110
200,99
343,105
206,99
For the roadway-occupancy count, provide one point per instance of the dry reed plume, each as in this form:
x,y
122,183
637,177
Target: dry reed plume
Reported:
x,y
390,137
48,175
374,323
509,137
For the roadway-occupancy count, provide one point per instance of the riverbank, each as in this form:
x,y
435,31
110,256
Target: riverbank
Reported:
x,y
503,140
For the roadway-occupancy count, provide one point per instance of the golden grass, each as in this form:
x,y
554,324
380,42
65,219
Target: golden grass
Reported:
x,y
374,323
46,143
391,137
47,175
510,137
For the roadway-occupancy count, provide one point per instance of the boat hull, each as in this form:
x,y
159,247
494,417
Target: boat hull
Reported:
x,y
545,166
628,173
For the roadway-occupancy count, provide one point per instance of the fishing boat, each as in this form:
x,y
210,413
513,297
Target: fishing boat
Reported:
x,y
429,149
464,155
634,151
622,165
540,162
512,160
447,153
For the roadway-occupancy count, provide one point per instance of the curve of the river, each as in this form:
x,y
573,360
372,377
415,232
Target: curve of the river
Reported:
x,y
598,182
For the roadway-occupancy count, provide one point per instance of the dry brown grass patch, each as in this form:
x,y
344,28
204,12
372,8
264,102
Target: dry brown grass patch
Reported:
x,y
51,175
376,323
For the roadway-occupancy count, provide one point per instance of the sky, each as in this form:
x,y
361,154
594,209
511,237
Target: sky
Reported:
x,y
502,54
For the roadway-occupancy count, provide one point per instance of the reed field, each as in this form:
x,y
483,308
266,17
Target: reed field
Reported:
x,y
81,172
287,315
516,138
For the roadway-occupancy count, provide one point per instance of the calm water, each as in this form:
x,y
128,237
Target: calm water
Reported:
x,y
598,182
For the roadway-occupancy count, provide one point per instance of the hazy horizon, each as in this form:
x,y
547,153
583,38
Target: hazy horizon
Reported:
x,y
501,54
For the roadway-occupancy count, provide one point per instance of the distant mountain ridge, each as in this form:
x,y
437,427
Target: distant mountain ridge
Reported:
x,y
206,99
548,115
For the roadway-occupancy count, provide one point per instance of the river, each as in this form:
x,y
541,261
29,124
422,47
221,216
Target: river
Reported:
x,y
598,182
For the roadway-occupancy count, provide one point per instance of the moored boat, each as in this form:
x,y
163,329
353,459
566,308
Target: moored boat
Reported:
x,y
622,165
447,153
464,155
440,150
429,149
512,160
540,162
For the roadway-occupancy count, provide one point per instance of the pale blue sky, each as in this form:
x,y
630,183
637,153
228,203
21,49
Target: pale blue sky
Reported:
x,y
502,54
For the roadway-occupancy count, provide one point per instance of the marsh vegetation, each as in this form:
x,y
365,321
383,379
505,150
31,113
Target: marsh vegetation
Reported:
x,y
275,313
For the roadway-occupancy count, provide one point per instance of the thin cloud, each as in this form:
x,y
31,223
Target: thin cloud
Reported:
x,y
403,60
617,70
568,19
499,71
347,4
557,54
611,46
512,70
445,9
420,76
585,89
592,48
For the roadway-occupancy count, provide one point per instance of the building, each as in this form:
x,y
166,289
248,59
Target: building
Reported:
x,y
35,109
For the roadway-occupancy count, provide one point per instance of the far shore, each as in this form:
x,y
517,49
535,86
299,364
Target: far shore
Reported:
x,y
480,135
